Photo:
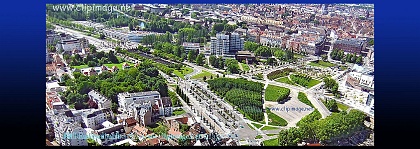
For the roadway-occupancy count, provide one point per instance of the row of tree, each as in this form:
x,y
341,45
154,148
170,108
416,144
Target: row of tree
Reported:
x,y
351,58
334,127
279,73
265,51
182,94
301,79
249,102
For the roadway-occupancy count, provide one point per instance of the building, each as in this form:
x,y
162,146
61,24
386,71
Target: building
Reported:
x,y
67,130
226,44
95,117
110,134
167,106
191,46
100,100
246,56
143,114
69,45
361,81
350,45
126,100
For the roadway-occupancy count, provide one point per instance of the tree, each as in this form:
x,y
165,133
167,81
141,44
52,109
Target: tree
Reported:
x,y
324,57
191,55
250,46
211,77
212,60
332,105
270,61
92,142
200,59
101,36
204,78
218,27
359,60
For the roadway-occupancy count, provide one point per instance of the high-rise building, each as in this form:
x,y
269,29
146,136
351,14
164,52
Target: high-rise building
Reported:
x,y
226,44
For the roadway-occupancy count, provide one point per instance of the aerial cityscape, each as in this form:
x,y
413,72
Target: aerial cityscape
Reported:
x,y
209,74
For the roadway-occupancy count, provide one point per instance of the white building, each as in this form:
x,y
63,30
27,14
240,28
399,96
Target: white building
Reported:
x,y
364,79
127,99
191,46
110,134
68,132
69,45
100,100
226,44
95,117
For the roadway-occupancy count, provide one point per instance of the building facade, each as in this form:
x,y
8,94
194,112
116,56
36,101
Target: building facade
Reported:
x,y
226,44
100,100
350,45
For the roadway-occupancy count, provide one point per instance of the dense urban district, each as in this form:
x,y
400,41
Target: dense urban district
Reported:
x,y
210,75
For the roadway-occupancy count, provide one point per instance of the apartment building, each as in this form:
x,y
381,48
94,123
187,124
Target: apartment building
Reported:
x,y
350,45
226,44
100,100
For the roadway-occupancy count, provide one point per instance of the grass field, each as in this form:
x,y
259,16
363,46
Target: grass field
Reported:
x,y
119,66
271,134
258,137
81,66
184,71
271,142
245,67
202,74
268,128
285,80
321,63
272,93
257,125
178,111
275,119
342,106
313,82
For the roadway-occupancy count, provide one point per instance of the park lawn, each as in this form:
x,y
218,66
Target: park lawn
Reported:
x,y
257,125
271,142
275,119
298,56
81,66
272,92
268,128
202,74
119,66
313,82
258,137
342,107
271,134
285,80
322,63
250,126
245,67
178,112
184,71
